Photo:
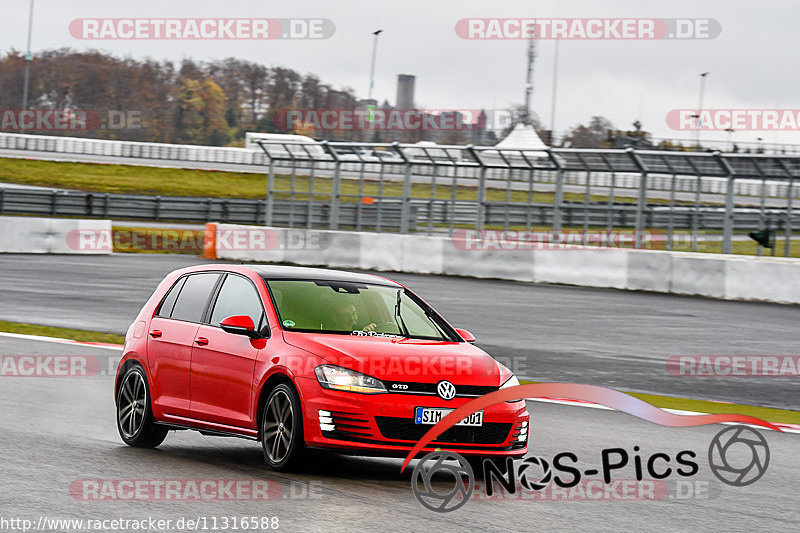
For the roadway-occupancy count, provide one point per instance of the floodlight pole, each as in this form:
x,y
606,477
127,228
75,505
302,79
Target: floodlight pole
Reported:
x,y
28,57
372,64
700,107
553,96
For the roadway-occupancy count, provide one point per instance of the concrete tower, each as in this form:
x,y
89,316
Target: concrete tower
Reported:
x,y
405,91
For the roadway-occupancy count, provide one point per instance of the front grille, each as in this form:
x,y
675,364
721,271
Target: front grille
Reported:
x,y
351,424
408,387
406,429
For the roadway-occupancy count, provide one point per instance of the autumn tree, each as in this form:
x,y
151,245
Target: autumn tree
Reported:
x,y
595,135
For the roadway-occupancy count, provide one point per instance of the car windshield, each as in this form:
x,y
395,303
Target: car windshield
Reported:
x,y
354,309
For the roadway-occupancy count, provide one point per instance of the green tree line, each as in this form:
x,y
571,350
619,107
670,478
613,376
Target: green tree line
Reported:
x,y
209,103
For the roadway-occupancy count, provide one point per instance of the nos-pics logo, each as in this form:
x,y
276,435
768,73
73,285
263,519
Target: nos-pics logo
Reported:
x,y
738,456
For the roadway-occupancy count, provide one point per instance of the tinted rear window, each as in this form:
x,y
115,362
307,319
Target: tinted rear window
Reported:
x,y
165,309
193,297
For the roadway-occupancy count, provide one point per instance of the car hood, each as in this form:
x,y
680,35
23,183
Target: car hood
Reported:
x,y
404,360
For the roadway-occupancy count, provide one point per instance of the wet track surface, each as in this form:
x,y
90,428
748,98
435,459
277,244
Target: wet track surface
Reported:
x,y
55,432
612,338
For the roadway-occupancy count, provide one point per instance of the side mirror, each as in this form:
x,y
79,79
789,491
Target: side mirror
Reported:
x,y
466,335
240,325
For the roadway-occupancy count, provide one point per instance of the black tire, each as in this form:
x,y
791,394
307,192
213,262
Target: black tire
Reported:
x,y
135,421
282,429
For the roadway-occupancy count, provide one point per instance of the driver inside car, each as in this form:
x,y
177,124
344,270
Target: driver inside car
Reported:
x,y
345,318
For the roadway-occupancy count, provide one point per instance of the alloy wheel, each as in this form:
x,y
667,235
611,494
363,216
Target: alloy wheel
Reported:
x,y
279,426
132,402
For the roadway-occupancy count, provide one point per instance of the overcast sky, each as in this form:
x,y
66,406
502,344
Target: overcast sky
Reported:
x,y
753,61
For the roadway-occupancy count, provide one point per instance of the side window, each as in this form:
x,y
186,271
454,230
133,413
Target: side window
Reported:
x,y
193,297
237,297
168,303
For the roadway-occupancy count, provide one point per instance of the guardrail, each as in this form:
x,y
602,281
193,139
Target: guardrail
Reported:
x,y
59,203
383,215
130,149
434,188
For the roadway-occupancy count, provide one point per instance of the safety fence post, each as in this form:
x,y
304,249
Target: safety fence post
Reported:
x,y
558,199
641,203
405,202
727,227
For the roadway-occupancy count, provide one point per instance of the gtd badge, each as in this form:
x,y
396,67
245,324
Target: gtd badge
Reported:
x,y
446,390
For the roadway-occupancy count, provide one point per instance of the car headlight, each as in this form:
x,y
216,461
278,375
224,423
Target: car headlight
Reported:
x,y
511,382
344,379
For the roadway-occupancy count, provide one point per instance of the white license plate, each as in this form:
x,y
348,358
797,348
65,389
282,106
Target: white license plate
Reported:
x,y
432,415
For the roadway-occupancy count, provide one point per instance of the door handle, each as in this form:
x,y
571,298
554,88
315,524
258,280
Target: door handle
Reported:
x,y
155,333
202,341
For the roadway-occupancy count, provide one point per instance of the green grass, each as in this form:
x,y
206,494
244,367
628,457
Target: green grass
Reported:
x,y
131,239
740,248
61,333
130,179
704,406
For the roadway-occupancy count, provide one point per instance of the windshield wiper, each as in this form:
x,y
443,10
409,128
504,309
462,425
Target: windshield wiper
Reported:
x,y
401,324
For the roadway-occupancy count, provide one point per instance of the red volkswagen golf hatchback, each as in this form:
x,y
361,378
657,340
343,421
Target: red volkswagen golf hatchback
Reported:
x,y
301,358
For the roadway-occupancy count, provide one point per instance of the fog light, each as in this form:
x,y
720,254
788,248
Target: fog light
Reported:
x,y
524,424
326,421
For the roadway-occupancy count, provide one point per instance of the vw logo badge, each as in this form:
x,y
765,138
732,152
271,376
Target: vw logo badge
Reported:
x,y
446,390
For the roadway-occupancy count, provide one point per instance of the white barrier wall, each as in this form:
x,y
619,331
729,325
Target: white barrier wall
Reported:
x,y
715,275
54,236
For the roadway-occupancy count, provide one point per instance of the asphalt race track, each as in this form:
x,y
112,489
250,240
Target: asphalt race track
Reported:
x,y
56,433
612,338
59,435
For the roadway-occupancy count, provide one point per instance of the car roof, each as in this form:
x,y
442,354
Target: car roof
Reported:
x,y
281,272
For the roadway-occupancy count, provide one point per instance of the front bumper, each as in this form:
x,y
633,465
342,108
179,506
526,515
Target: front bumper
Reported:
x,y
383,424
